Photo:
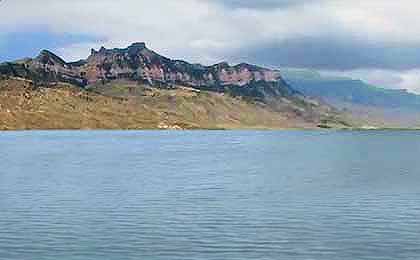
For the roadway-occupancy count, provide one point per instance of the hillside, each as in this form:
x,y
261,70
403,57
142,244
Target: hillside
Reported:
x,y
137,88
128,106
369,104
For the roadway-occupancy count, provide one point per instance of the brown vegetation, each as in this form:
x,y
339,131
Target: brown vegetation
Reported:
x,y
63,106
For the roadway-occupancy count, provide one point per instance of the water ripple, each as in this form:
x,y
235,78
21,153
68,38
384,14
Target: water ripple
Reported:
x,y
209,195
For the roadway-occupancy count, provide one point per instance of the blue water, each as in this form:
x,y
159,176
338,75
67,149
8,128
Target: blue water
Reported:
x,y
209,195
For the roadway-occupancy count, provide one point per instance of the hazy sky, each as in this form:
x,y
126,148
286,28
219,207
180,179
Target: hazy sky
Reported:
x,y
376,40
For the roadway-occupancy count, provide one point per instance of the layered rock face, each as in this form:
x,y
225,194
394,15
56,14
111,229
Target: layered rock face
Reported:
x,y
137,66
138,63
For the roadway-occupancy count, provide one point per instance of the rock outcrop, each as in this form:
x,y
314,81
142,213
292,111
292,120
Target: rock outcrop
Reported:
x,y
126,73
138,63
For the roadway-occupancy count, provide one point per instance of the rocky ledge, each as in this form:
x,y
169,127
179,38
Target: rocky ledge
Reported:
x,y
138,63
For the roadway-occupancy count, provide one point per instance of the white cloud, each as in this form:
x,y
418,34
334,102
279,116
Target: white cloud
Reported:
x,y
378,20
411,80
206,31
184,26
77,51
408,79
172,27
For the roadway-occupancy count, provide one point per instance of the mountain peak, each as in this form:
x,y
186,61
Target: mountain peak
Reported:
x,y
140,64
249,67
222,65
133,48
47,57
140,45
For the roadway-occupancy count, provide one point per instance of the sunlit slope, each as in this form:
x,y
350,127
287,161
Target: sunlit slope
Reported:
x,y
124,106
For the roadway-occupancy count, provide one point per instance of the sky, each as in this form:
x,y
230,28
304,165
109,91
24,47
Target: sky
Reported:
x,y
374,40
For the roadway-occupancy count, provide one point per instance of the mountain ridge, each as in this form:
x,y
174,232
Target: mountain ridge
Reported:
x,y
137,67
384,107
346,89
138,63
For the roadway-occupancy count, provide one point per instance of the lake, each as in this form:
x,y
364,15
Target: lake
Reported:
x,y
203,195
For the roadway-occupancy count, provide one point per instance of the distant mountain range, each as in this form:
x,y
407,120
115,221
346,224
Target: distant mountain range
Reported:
x,y
136,67
342,90
368,104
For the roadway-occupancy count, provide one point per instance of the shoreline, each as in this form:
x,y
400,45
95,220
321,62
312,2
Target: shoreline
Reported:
x,y
390,129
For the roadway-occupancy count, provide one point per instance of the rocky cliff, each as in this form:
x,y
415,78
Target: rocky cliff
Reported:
x,y
108,71
138,63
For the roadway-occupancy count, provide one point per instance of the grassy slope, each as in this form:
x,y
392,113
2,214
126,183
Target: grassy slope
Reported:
x,y
123,107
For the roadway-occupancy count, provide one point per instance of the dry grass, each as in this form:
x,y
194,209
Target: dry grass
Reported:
x,y
125,107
